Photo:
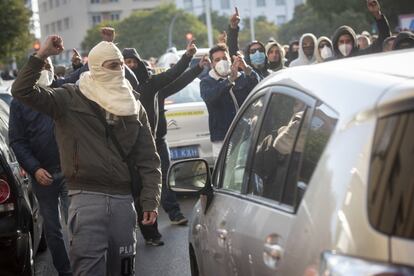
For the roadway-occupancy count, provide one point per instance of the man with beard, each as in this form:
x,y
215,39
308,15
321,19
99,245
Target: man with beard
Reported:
x,y
224,91
102,132
307,51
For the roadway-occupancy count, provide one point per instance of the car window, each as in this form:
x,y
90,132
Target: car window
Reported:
x,y
391,184
189,94
279,146
238,145
319,131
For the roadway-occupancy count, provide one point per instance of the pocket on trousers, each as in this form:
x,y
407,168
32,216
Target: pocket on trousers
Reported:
x,y
73,221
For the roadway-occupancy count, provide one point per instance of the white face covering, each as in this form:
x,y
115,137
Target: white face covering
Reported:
x,y
326,52
46,78
223,68
108,88
345,49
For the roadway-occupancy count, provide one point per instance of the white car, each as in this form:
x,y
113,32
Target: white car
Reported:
x,y
188,134
315,176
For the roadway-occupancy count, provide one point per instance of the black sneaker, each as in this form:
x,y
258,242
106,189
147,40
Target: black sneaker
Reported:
x,y
154,242
179,220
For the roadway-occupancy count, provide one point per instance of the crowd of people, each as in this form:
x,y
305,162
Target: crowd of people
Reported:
x,y
94,137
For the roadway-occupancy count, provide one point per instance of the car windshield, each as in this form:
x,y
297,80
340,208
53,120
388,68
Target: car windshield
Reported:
x,y
189,94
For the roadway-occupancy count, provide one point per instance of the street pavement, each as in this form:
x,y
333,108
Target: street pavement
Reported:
x,y
168,260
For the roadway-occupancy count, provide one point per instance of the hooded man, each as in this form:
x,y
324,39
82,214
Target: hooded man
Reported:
x,y
275,56
224,91
102,218
149,86
324,49
255,55
307,50
388,44
293,52
404,40
345,43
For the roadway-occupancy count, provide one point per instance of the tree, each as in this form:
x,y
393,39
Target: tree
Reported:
x,y
219,22
264,30
15,37
147,31
306,20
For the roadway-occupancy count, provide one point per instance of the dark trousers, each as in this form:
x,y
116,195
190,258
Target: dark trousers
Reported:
x,y
168,198
48,198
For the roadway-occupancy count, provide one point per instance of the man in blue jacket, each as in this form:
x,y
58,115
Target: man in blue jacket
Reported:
x,y
32,139
224,91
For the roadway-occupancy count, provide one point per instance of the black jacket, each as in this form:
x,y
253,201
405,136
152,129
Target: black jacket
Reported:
x,y
403,38
149,85
376,47
176,86
233,44
32,138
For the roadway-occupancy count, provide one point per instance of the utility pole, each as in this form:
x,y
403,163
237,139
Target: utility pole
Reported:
x,y
207,6
170,30
252,34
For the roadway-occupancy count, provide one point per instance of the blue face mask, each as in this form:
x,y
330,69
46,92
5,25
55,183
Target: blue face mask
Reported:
x,y
257,58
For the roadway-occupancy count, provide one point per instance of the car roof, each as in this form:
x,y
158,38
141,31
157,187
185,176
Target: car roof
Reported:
x,y
349,85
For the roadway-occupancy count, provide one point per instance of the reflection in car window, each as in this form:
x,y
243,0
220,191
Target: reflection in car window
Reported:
x,y
238,147
274,150
189,94
321,127
391,185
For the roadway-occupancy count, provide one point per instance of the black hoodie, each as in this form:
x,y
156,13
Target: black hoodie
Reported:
x,y
149,84
233,44
404,38
376,47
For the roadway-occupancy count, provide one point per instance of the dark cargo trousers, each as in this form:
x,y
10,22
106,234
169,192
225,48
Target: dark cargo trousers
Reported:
x,y
102,234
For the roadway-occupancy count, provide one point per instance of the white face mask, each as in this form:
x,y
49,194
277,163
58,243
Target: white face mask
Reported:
x,y
326,52
46,78
345,49
223,68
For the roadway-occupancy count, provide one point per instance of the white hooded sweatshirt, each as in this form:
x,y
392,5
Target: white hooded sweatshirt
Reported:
x,y
303,59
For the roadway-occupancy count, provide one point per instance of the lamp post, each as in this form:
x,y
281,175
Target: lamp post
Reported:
x,y
170,30
207,6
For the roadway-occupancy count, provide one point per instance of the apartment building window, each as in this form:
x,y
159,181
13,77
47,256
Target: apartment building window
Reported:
x,y
47,30
64,2
280,2
53,27
44,6
95,1
66,23
281,19
261,3
50,4
188,4
57,3
225,4
113,1
115,16
59,25
96,19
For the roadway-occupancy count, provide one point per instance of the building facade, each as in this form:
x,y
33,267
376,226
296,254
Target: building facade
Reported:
x,y
72,18
276,11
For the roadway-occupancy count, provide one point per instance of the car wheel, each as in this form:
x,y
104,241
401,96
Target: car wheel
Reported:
x,y
29,261
193,263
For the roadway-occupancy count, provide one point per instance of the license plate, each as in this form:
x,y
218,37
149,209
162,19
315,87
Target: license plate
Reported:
x,y
184,152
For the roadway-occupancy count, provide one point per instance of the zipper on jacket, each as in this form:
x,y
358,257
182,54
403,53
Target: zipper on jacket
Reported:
x,y
75,158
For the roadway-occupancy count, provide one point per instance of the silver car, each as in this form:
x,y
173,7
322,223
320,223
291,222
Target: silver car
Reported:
x,y
315,175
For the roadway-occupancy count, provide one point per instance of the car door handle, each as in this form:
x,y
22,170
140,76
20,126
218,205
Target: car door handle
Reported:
x,y
272,254
222,237
222,234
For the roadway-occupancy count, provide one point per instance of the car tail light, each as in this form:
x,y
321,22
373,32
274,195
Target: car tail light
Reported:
x,y
6,200
4,191
333,264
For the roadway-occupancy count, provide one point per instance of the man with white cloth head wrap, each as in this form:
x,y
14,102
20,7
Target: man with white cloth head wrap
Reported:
x,y
102,218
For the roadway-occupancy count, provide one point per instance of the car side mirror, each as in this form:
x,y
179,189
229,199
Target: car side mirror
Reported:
x,y
190,175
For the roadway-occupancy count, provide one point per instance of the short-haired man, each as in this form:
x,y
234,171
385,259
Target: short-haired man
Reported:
x,y
224,91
